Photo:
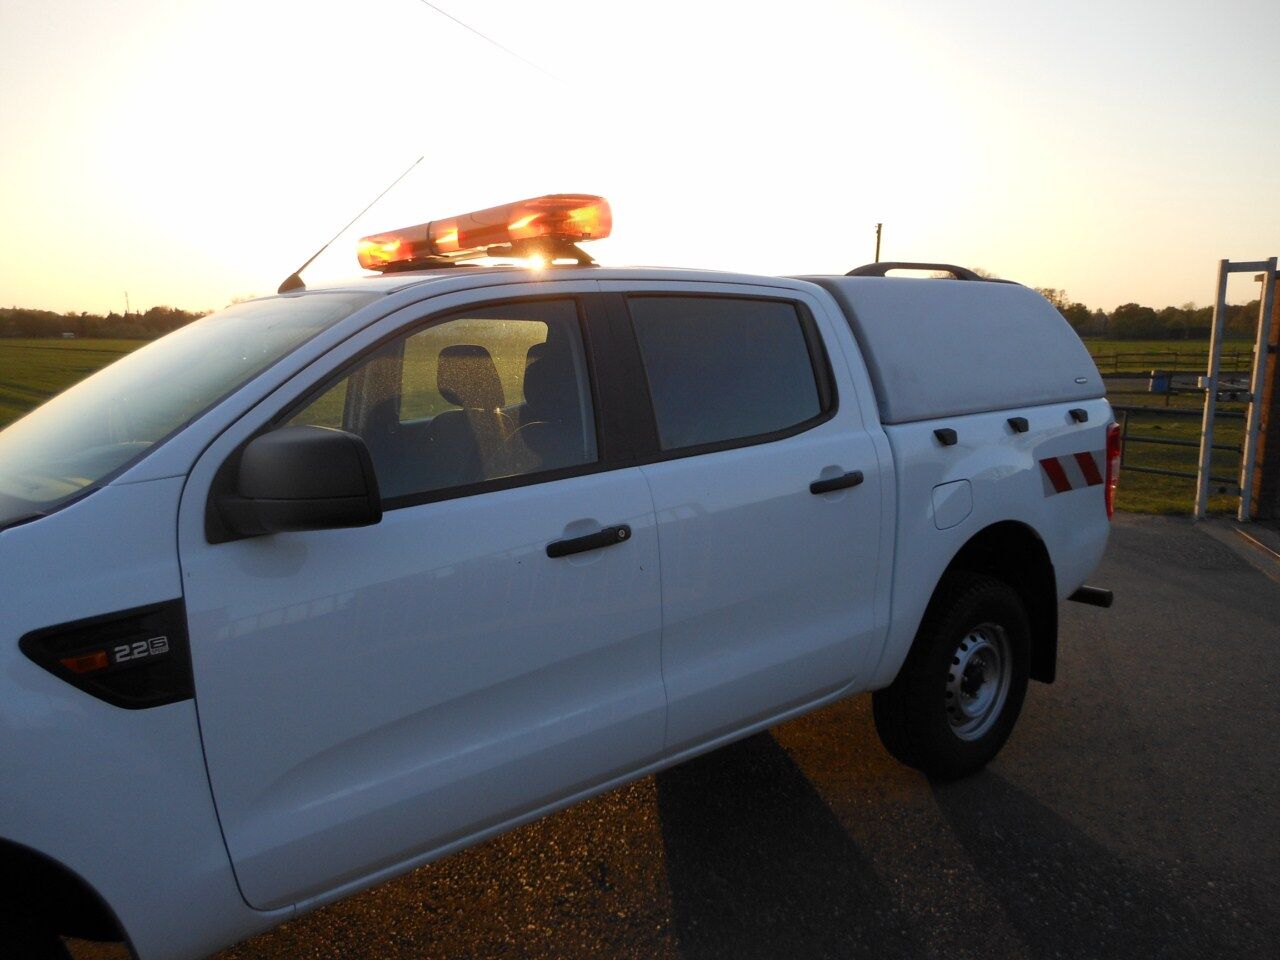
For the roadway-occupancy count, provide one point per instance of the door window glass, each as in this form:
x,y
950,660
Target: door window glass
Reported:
x,y
723,369
327,409
507,340
494,392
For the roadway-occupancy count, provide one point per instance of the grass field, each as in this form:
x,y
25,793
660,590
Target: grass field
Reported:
x,y
31,371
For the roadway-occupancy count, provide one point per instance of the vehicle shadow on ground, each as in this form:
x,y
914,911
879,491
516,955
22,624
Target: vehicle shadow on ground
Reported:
x,y
759,866
1069,897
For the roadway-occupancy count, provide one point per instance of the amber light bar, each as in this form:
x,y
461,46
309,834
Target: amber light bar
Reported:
x,y
563,217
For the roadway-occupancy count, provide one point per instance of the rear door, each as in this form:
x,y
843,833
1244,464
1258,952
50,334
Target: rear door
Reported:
x,y
368,695
768,495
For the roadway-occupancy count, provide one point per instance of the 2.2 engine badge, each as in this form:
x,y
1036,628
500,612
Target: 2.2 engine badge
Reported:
x,y
139,649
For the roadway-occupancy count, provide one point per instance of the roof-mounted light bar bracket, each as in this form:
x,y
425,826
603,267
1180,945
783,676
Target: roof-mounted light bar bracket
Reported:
x,y
420,263
549,249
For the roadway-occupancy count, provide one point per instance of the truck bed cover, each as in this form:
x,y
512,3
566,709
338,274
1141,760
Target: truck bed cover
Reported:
x,y
939,348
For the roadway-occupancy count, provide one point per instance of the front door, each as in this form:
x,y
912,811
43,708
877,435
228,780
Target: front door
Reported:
x,y
369,695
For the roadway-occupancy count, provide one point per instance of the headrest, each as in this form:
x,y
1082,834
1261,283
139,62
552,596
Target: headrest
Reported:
x,y
534,352
466,376
550,386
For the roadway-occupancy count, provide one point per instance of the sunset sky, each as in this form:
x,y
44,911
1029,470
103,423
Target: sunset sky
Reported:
x,y
193,153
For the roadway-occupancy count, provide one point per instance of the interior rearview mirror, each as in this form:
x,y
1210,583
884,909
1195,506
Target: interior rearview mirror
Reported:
x,y
303,478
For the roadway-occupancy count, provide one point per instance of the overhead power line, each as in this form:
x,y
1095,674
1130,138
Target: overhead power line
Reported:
x,y
483,36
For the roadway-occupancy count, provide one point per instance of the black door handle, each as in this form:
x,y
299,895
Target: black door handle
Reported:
x,y
592,541
851,479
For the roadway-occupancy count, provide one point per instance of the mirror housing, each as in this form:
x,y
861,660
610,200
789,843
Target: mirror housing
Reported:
x,y
302,478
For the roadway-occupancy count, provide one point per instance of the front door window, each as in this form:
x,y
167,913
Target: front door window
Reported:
x,y
486,394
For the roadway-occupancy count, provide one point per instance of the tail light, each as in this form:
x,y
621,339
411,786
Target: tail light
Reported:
x,y
1113,467
562,217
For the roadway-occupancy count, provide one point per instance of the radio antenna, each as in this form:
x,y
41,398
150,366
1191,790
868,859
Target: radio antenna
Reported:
x,y
294,280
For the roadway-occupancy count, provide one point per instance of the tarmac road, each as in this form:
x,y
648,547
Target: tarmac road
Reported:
x,y
1135,813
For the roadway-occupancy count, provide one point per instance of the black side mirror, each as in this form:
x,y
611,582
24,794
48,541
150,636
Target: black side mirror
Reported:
x,y
303,478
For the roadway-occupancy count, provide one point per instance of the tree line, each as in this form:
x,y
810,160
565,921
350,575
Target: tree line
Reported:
x,y
1133,321
156,322
1129,321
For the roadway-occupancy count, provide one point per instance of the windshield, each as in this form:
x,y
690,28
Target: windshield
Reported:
x,y
87,434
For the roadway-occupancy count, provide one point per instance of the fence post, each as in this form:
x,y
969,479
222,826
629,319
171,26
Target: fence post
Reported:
x,y
1265,503
1204,468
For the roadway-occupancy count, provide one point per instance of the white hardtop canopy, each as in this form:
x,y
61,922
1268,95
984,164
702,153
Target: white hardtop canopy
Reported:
x,y
941,348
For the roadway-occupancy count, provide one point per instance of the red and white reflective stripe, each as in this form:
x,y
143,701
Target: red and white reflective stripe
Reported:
x,y
1074,471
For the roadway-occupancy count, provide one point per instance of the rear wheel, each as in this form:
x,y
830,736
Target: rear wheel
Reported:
x,y
959,693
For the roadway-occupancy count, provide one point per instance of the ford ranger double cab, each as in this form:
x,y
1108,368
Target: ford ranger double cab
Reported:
x,y
336,582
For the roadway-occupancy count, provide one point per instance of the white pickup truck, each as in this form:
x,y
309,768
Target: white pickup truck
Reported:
x,y
336,582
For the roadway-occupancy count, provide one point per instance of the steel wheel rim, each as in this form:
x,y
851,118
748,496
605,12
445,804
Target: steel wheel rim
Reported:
x,y
978,680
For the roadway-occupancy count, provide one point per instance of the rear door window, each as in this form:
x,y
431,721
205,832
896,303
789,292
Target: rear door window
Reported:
x,y
727,371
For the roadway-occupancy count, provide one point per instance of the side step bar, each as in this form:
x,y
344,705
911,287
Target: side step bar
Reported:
x,y
1094,596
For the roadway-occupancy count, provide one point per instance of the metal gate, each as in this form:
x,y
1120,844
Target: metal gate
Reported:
x,y
1266,269
1235,378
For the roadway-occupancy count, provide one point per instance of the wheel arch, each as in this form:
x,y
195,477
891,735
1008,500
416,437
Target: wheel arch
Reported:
x,y
1014,552
35,887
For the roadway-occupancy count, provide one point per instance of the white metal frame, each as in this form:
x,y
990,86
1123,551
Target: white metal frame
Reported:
x,y
1267,269
1257,390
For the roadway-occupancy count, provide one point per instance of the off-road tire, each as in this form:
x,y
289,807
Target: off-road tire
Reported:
x,y
912,716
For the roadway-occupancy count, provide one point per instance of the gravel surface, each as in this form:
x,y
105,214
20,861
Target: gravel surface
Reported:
x,y
1133,814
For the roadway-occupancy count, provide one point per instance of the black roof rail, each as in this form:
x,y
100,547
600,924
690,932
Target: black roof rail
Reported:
x,y
882,269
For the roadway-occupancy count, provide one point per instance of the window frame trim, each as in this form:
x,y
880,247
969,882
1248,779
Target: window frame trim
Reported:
x,y
819,362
